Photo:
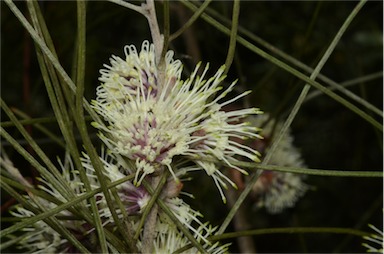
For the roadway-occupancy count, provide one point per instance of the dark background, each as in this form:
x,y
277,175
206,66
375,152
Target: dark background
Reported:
x,y
329,135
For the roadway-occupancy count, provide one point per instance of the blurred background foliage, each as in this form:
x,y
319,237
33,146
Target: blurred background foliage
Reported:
x,y
329,135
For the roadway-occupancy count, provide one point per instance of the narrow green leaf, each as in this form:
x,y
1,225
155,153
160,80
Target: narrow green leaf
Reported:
x,y
40,127
125,4
79,115
310,171
40,43
52,174
194,17
151,202
292,230
170,214
66,206
166,29
295,62
30,121
233,35
289,69
291,116
51,221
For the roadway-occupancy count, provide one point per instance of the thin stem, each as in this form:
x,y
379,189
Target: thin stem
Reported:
x,y
33,121
152,201
297,170
233,36
293,230
51,221
40,127
51,80
80,73
311,171
29,121
353,96
158,40
50,56
13,172
194,17
166,31
292,60
289,69
64,119
291,116
170,214
59,208
313,76
133,7
52,174
150,218
58,100
97,165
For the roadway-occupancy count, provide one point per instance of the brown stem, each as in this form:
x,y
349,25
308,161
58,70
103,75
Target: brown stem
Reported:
x,y
240,223
150,223
157,38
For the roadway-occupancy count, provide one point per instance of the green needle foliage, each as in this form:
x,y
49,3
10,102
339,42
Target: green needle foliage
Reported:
x,y
315,66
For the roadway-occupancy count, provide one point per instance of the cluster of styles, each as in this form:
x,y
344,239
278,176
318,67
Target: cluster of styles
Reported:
x,y
156,123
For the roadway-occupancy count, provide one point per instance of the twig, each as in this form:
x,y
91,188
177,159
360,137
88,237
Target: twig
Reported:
x,y
240,223
292,115
233,36
150,222
158,39
133,7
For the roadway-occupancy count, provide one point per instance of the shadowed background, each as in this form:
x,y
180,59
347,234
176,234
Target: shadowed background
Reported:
x,y
329,135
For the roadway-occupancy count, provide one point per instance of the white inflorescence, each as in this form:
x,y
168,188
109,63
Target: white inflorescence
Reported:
x,y
169,239
278,190
135,198
151,116
151,121
375,244
40,237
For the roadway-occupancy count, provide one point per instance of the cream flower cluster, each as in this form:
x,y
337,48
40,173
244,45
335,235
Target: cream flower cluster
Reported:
x,y
278,190
153,116
153,121
168,237
41,238
375,244
169,240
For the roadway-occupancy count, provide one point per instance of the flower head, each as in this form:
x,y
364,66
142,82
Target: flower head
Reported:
x,y
169,239
153,117
137,75
278,190
135,198
375,241
40,237
127,99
